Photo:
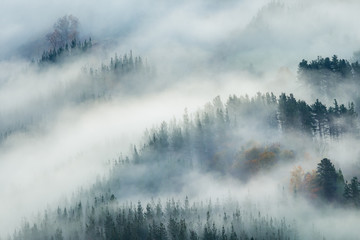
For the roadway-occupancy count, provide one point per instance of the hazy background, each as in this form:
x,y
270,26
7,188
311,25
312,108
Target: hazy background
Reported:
x,y
200,49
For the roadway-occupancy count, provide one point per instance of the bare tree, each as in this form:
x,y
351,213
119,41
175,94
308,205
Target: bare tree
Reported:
x,y
65,30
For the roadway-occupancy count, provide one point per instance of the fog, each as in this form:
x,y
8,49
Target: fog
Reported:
x,y
66,146
52,143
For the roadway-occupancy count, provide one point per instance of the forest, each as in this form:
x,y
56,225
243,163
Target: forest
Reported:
x,y
214,120
331,77
173,149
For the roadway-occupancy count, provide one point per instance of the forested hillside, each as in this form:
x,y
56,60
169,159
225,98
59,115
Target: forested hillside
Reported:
x,y
208,141
179,120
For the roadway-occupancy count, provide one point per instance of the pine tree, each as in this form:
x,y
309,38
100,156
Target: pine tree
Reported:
x,y
109,226
173,228
183,231
319,112
58,234
161,232
327,179
223,234
233,235
90,226
193,235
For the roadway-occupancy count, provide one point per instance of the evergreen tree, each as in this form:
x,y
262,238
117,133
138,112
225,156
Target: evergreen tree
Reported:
x,y
223,234
327,179
90,227
183,230
233,235
109,226
58,234
193,235
319,112
352,192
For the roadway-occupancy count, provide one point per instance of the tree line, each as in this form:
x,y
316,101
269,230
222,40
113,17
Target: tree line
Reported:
x,y
206,139
209,140
56,55
316,119
212,130
121,66
331,78
327,74
120,76
105,218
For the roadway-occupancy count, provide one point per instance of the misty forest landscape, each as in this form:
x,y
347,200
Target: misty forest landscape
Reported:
x,y
179,120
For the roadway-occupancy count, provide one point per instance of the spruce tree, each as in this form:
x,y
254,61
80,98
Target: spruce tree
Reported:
x,y
327,179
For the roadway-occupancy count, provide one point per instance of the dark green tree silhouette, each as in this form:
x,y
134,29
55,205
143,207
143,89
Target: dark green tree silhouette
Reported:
x,y
327,179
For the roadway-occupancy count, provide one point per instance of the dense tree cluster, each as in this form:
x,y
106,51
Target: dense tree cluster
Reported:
x,y
327,74
209,134
352,192
121,67
106,219
326,183
207,138
211,138
125,64
317,120
64,51
332,78
121,76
